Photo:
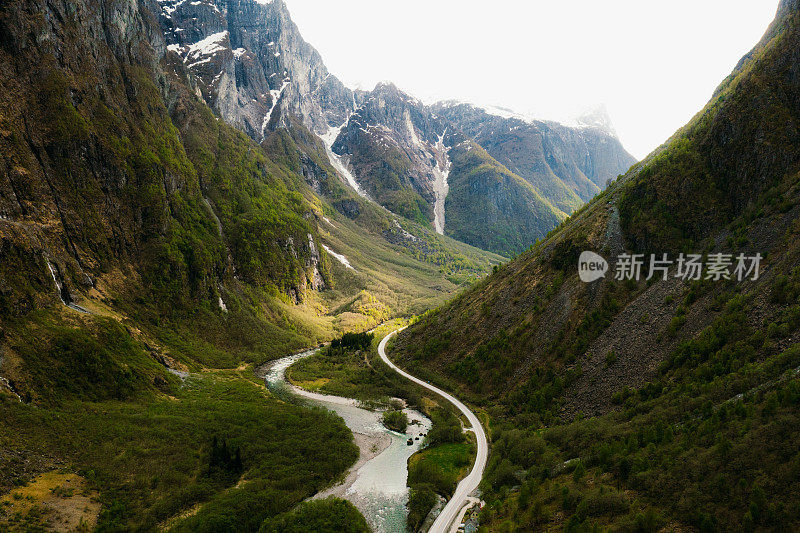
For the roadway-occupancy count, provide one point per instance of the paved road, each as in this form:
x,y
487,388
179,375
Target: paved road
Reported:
x,y
471,481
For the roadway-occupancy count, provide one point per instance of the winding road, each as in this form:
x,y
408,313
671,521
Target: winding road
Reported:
x,y
467,485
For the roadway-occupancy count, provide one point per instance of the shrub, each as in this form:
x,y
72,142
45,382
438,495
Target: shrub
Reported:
x,y
223,462
353,341
446,428
579,472
421,499
331,515
395,420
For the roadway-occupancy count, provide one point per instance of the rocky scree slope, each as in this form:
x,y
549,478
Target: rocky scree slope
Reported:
x,y
252,65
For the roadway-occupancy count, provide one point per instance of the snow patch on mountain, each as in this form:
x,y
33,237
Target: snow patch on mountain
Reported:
x,y
170,6
202,51
201,62
336,160
339,257
208,46
276,96
502,112
440,185
597,118
406,235
588,118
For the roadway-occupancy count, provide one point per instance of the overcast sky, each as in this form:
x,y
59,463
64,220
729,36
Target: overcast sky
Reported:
x,y
653,63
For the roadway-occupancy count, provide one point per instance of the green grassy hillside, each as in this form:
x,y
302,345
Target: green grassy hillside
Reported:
x,y
149,457
385,171
637,406
492,208
141,236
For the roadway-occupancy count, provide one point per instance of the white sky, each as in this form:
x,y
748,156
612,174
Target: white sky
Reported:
x,y
654,63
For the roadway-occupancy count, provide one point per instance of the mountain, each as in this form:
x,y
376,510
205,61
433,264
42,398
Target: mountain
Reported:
x,y
153,255
567,165
490,207
397,153
249,62
121,183
423,168
641,405
124,186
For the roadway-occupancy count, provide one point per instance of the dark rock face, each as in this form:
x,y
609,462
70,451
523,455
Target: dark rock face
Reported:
x,y
251,65
567,165
62,192
349,208
789,5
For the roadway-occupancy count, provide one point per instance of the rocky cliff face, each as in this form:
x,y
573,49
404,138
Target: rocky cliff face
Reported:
x,y
249,62
252,66
397,152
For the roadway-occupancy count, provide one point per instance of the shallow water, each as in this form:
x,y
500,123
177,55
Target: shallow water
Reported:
x,y
380,490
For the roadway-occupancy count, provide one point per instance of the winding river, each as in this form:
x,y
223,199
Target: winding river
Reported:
x,y
376,484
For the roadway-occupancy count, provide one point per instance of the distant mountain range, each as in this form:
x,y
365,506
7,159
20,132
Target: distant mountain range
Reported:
x,y
248,61
567,165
